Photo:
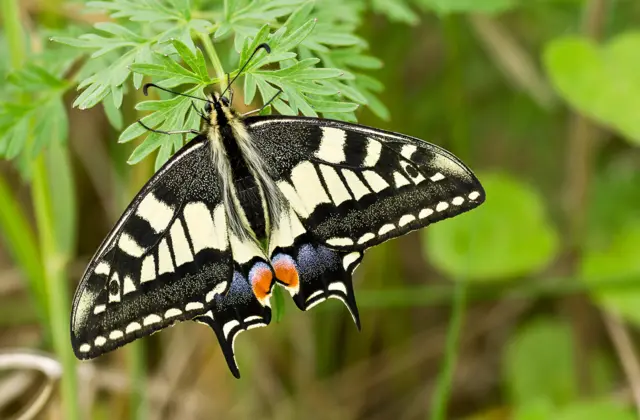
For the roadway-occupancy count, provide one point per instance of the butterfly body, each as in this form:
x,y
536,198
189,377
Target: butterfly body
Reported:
x,y
255,202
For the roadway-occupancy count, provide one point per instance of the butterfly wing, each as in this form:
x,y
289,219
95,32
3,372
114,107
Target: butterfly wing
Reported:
x,y
354,187
246,305
234,313
164,261
311,271
350,187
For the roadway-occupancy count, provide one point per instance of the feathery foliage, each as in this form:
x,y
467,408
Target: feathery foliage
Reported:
x,y
316,60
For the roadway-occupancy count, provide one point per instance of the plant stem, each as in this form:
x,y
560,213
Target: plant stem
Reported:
x,y
52,260
137,363
582,140
542,288
458,125
445,378
623,344
227,9
13,32
214,59
459,139
21,244
54,264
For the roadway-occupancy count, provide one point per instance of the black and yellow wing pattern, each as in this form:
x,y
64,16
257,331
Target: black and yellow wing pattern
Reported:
x,y
341,188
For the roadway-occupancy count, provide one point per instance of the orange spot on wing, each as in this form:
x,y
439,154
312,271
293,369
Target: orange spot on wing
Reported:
x,y
286,272
261,280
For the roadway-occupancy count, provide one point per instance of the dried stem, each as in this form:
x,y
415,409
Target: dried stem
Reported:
x,y
582,139
624,347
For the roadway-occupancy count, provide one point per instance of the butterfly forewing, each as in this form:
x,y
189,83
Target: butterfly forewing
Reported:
x,y
354,187
165,260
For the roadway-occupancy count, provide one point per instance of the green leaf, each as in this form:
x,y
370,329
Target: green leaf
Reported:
x,y
396,10
595,410
120,46
361,87
513,221
300,82
224,29
249,88
51,125
377,107
173,73
34,78
469,6
536,371
294,38
194,61
300,15
541,409
165,71
36,120
332,106
63,202
607,262
327,34
107,81
601,82
613,201
246,19
151,143
114,115
163,155
170,114
143,11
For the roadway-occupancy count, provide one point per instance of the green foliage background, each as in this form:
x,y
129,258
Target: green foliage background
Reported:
x,y
526,308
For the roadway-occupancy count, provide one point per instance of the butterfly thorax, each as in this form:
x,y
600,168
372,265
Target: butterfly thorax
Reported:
x,y
250,196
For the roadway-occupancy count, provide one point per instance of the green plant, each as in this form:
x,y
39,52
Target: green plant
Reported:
x,y
445,82
313,59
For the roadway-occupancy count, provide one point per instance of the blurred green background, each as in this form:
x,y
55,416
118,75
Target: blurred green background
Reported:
x,y
527,308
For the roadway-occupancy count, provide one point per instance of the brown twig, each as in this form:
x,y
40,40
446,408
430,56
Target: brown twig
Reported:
x,y
624,347
582,139
512,59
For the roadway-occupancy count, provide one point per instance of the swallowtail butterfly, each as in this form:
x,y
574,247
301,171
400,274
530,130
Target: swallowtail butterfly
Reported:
x,y
254,202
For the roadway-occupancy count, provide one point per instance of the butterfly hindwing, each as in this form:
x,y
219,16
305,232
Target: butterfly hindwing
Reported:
x,y
355,187
165,260
246,304
310,271
239,310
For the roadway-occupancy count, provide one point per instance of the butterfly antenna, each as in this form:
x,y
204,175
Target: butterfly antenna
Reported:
x,y
145,91
263,46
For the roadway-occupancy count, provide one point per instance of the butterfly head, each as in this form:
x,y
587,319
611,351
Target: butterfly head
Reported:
x,y
218,109
216,102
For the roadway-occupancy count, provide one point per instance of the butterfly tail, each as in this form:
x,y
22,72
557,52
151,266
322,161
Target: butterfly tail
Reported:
x,y
315,273
237,311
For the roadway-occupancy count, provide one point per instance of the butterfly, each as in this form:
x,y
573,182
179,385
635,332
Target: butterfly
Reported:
x,y
252,202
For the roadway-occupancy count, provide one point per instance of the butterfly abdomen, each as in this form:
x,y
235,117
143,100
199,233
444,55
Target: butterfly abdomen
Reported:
x,y
245,185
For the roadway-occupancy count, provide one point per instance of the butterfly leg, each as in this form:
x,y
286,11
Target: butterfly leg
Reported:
x,y
200,113
196,132
266,104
